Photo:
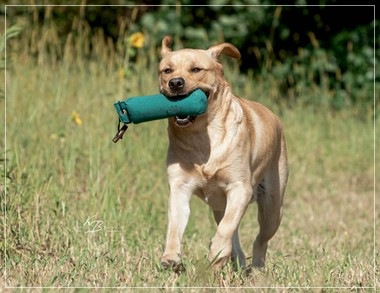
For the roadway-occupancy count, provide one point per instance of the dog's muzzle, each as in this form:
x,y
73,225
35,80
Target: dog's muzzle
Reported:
x,y
177,86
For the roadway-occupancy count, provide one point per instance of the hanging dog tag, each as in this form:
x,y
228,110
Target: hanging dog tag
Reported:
x,y
120,133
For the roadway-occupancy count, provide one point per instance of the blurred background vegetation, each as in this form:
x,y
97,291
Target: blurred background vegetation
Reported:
x,y
296,47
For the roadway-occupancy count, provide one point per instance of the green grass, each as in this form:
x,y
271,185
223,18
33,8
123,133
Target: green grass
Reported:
x,y
84,212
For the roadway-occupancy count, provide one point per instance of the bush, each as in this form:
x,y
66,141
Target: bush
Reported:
x,y
298,47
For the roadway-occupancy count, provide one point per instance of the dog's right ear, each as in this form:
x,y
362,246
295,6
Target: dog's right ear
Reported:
x,y
165,45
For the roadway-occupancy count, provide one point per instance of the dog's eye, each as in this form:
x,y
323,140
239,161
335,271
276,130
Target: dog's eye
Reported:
x,y
196,69
168,71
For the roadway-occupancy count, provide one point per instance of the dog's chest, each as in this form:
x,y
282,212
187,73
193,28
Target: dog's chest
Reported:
x,y
211,185
213,193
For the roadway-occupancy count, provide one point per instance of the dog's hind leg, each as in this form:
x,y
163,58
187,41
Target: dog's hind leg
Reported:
x,y
270,199
237,255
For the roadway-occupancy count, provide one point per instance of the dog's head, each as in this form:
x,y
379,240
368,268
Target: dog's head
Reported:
x,y
183,71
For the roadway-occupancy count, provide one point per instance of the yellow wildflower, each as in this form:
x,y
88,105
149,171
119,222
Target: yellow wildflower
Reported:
x,y
137,40
120,73
76,118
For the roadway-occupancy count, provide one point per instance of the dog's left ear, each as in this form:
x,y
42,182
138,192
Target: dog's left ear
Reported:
x,y
224,49
165,45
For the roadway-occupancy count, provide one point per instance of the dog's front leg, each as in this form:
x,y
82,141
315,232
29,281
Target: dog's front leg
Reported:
x,y
178,216
238,198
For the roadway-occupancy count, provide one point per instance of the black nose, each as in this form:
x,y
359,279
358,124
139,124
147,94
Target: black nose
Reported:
x,y
176,83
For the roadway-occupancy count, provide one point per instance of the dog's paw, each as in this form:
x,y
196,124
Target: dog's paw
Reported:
x,y
175,266
220,252
259,254
219,262
258,262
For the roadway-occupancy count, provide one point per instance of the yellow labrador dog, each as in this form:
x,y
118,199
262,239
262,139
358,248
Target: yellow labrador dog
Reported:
x,y
230,156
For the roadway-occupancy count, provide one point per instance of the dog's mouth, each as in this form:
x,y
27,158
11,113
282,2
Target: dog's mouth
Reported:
x,y
184,121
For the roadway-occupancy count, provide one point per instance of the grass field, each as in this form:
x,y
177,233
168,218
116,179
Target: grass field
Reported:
x,y
84,212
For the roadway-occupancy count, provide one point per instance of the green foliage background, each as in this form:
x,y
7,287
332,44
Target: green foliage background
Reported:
x,y
331,46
